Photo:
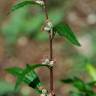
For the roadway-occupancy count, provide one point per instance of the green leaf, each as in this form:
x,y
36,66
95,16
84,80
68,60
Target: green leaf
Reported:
x,y
35,66
31,78
85,89
76,82
91,71
90,93
22,4
6,87
18,82
67,81
65,30
16,71
27,75
92,84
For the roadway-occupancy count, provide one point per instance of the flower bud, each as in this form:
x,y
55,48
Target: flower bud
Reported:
x,y
41,2
46,62
48,26
51,64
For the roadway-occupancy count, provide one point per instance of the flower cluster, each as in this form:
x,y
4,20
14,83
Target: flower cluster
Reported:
x,y
41,2
48,26
48,62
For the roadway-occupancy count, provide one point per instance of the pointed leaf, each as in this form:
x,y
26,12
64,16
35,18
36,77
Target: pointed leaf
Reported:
x,y
27,75
79,84
22,4
67,81
16,71
65,30
76,82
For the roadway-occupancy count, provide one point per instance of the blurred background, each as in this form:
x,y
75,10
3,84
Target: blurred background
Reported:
x,y
22,42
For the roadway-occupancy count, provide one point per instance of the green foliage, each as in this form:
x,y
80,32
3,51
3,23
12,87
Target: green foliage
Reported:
x,y
91,71
64,30
76,83
15,71
27,75
75,94
86,89
35,66
14,27
6,87
22,4
18,25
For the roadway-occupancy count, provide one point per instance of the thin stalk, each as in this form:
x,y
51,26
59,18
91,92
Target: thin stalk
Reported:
x,y
51,52
45,10
51,58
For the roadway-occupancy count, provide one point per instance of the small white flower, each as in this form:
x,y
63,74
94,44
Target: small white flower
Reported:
x,y
51,63
46,29
46,62
48,26
41,2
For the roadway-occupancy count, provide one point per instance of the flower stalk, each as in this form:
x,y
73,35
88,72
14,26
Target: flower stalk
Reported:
x,y
51,36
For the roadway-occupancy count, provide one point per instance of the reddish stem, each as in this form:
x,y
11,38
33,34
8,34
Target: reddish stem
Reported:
x,y
51,52
51,58
45,9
